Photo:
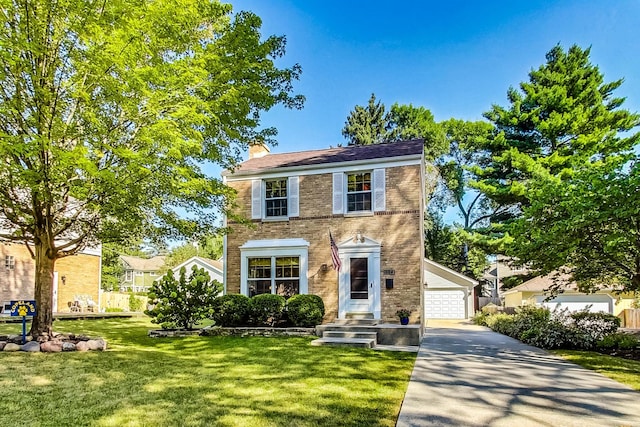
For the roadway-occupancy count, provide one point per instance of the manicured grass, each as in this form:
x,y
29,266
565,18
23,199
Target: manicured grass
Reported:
x,y
200,381
622,370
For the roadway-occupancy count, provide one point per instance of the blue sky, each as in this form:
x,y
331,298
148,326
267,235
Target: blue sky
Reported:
x,y
455,58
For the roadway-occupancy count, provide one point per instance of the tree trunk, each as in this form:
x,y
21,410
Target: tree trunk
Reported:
x,y
45,264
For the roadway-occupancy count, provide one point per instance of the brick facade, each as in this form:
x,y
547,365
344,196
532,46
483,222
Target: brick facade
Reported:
x,y
81,273
399,229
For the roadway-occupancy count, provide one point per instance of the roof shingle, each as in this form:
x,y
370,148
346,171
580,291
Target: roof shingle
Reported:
x,y
331,155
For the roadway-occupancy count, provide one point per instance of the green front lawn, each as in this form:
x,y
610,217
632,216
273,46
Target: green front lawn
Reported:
x,y
200,381
622,370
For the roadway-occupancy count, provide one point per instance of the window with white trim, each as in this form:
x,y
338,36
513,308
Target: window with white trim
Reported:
x,y
128,275
359,192
9,262
275,197
274,266
274,275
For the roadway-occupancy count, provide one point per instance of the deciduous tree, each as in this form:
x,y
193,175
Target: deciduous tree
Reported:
x,y
110,110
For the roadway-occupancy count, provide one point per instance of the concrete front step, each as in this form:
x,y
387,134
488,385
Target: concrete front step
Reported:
x,y
350,334
356,322
359,315
350,342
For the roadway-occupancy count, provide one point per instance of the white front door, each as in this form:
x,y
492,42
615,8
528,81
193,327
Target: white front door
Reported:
x,y
359,279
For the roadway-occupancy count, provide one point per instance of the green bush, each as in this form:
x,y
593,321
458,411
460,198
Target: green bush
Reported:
x,y
480,318
135,304
618,340
183,302
305,310
267,309
113,310
502,323
231,310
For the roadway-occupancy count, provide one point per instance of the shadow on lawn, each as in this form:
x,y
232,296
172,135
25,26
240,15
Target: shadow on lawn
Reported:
x,y
223,381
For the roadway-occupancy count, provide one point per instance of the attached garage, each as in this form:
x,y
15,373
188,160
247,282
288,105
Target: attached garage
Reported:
x,y
448,294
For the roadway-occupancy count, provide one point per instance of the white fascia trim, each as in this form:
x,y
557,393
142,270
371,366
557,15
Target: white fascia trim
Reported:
x,y
274,244
353,166
455,273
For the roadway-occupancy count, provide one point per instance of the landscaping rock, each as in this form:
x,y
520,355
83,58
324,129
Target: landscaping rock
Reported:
x,y
16,339
82,346
98,344
51,346
2,344
68,346
32,346
12,347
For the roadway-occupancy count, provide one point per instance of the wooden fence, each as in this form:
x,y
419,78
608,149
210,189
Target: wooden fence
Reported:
x,y
120,300
630,318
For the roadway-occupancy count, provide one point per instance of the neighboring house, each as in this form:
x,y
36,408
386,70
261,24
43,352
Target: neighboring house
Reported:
x,y
533,292
139,273
369,199
448,294
502,267
76,278
211,266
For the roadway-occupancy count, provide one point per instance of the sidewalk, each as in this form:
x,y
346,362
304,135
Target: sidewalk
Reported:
x,y
467,375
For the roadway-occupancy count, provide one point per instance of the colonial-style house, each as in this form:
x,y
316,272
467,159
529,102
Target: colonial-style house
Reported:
x,y
76,279
139,273
343,223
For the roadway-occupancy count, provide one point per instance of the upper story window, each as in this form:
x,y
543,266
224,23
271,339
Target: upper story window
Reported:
x,y
128,275
275,197
359,192
9,262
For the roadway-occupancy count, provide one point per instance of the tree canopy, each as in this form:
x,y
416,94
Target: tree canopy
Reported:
x,y
564,116
557,157
588,227
109,112
366,125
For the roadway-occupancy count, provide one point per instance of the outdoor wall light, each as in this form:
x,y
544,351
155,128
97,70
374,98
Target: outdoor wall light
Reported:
x,y
324,268
64,280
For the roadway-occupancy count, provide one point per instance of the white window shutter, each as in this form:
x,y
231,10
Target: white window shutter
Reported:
x,y
379,202
293,207
256,199
338,191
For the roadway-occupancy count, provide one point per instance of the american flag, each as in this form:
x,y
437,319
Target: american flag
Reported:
x,y
334,253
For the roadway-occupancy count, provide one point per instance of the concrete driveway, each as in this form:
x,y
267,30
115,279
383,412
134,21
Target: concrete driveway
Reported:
x,y
468,375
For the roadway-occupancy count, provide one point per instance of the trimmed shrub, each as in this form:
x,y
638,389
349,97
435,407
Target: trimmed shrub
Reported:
x,y
113,310
231,310
502,323
618,340
267,309
305,310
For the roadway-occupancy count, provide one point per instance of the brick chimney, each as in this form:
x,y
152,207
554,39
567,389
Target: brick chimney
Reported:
x,y
257,150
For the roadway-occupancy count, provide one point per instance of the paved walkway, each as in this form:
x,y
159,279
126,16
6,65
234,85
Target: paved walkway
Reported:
x,y
467,375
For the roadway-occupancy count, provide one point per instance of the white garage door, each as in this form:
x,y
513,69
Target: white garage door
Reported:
x,y
444,304
580,302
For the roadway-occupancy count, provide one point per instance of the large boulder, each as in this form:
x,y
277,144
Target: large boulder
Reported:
x,y
32,346
51,346
82,346
12,347
68,346
98,344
